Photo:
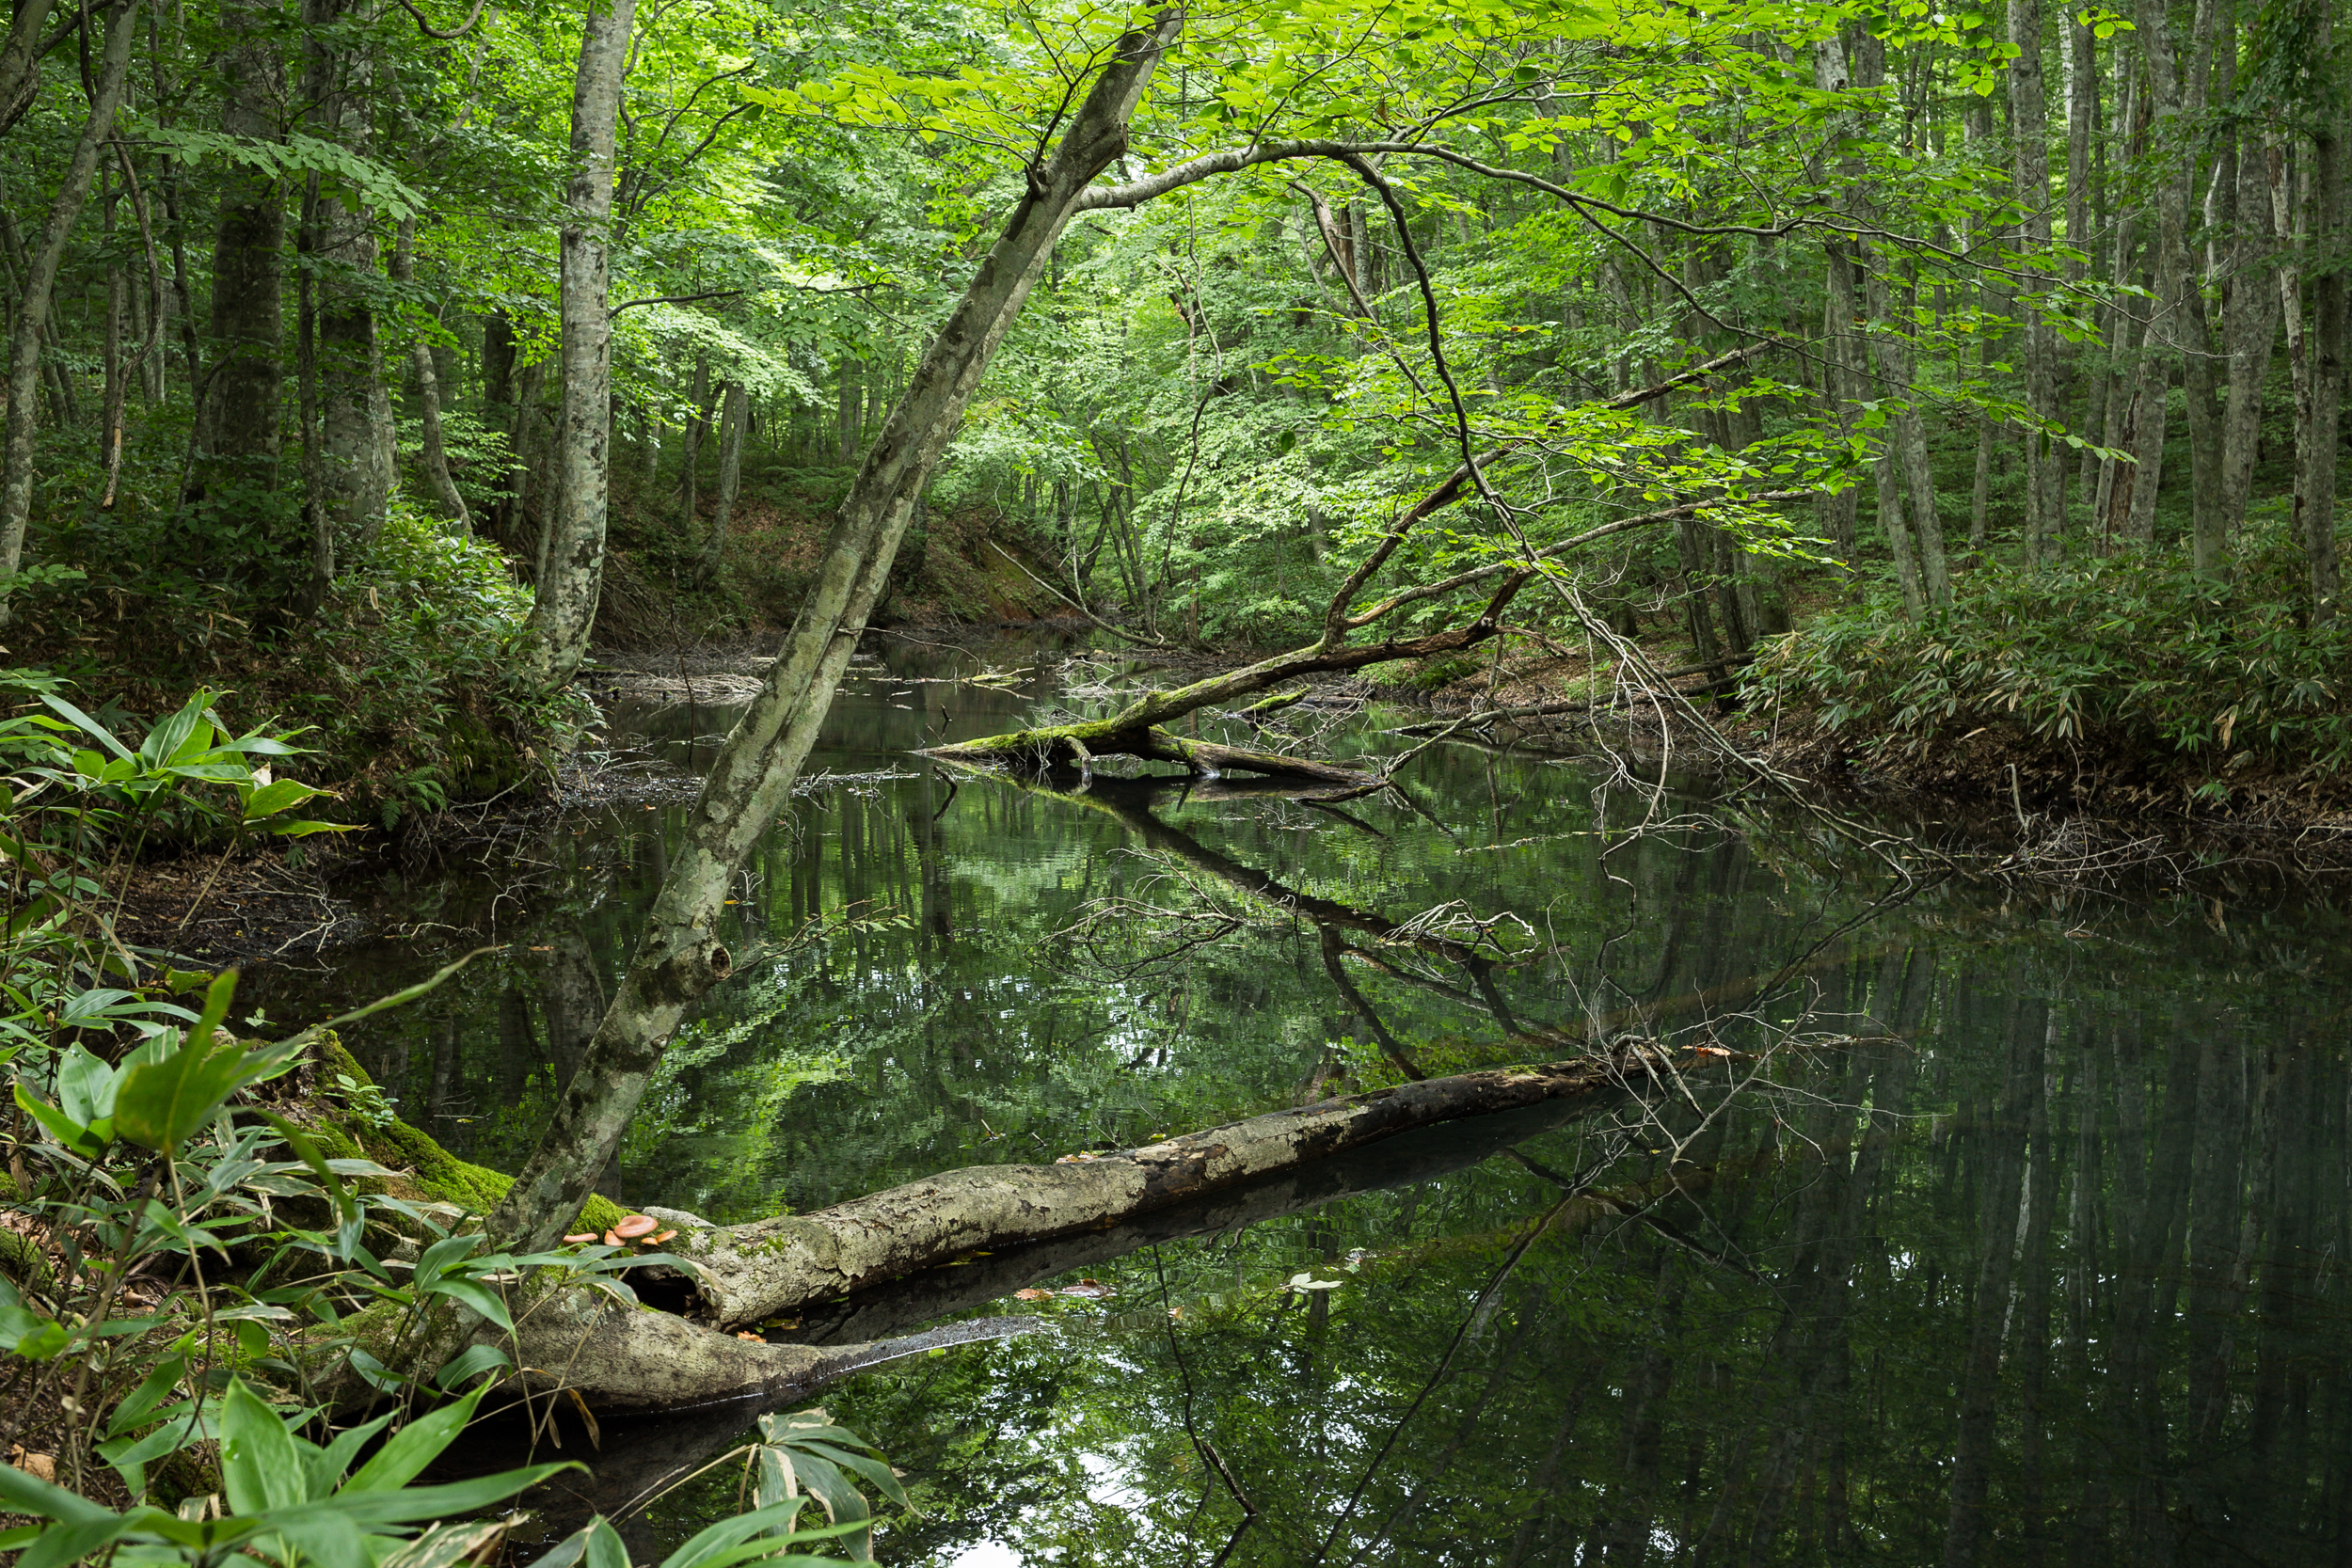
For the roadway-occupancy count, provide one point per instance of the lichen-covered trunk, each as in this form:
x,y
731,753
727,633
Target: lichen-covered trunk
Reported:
x,y
572,562
680,957
738,406
40,284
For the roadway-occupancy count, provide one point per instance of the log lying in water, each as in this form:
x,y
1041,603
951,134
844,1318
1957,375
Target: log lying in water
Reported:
x,y
773,1268
1080,744
622,1358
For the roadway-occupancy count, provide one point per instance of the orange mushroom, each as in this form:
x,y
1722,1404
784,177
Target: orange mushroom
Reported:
x,y
636,1226
581,1239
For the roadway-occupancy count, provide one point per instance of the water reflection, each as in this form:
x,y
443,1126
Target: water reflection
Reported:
x,y
2032,1254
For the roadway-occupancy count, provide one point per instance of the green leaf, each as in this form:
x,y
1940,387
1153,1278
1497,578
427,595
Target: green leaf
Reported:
x,y
415,1446
260,1467
278,796
162,1105
88,725
472,1294
83,1141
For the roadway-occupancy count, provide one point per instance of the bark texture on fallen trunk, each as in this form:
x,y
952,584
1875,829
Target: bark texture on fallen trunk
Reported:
x,y
772,1268
1081,744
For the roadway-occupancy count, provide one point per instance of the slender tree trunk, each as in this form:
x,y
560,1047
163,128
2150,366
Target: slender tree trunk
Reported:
x,y
731,423
2029,121
40,278
2319,400
1894,356
2252,327
435,454
690,443
679,958
573,558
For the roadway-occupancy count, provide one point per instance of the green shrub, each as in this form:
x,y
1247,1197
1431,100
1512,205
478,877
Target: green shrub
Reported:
x,y
2133,656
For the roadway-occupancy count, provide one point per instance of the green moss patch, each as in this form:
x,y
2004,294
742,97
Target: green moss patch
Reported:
x,y
436,1173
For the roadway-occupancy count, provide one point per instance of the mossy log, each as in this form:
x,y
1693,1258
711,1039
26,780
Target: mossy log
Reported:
x,y
1138,729
1080,745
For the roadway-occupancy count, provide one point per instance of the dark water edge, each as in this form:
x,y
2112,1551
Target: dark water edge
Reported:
x,y
2022,1242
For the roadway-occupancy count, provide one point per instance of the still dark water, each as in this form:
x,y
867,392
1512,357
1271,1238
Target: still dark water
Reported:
x,y
2023,1241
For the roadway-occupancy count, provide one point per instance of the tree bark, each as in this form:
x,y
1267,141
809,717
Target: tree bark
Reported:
x,y
41,278
690,443
572,567
2029,123
738,404
435,454
2252,327
2319,406
20,62
679,958
355,417
236,483
774,1267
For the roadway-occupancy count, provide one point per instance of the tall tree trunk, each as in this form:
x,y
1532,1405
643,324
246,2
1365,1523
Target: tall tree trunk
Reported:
x,y
356,416
2317,433
435,454
2029,122
731,423
1894,356
237,481
690,443
573,558
2178,89
2252,327
41,278
679,958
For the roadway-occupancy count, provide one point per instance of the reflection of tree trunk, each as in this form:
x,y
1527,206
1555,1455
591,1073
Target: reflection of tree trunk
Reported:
x,y
437,1101
1398,1056
574,999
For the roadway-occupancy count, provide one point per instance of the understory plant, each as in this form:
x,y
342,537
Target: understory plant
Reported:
x,y
190,1286
2130,661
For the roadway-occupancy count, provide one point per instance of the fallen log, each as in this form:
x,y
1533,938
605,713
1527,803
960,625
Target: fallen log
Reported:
x,y
775,1268
690,1340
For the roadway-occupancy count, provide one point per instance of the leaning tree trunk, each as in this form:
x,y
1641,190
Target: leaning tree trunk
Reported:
x,y
41,278
572,567
731,423
680,957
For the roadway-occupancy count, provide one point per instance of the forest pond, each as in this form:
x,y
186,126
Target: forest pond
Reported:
x,y
2011,1228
